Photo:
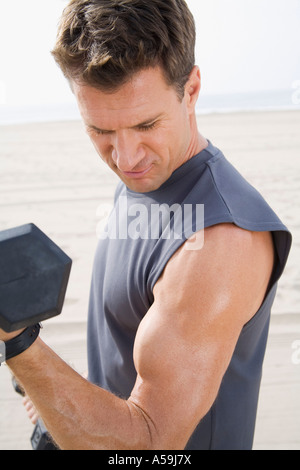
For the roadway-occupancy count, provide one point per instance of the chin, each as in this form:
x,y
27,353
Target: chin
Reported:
x,y
143,186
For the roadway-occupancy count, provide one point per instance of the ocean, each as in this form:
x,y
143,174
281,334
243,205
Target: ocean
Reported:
x,y
207,104
259,101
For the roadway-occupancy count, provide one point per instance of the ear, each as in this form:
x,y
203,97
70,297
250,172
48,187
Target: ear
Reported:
x,y
192,89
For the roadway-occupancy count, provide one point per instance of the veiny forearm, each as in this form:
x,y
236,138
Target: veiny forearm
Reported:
x,y
77,414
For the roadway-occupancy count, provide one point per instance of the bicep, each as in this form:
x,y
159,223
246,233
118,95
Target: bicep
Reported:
x,y
178,377
185,342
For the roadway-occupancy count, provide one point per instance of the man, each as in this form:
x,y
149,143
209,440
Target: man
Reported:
x,y
177,328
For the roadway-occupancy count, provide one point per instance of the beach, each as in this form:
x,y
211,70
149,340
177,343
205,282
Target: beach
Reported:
x,y
50,175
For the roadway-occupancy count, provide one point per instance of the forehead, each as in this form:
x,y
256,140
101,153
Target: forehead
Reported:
x,y
146,94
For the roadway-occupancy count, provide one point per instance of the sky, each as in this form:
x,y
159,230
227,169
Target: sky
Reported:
x,y
242,46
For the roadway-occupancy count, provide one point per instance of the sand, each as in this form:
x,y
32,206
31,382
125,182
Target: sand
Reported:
x,y
50,175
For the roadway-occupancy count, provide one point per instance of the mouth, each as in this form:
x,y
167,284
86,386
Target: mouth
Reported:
x,y
137,174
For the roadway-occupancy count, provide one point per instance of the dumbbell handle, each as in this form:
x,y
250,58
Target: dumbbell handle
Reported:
x,y
41,439
18,387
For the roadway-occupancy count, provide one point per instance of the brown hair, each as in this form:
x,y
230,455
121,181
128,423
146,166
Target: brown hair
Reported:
x,y
102,43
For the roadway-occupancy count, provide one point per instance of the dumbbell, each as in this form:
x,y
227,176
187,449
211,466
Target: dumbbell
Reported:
x,y
34,274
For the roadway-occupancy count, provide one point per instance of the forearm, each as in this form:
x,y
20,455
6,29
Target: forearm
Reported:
x,y
77,414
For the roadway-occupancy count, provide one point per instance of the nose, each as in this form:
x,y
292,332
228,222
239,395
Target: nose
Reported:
x,y
128,151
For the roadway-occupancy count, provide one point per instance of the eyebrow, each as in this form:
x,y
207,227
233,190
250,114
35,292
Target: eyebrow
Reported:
x,y
137,126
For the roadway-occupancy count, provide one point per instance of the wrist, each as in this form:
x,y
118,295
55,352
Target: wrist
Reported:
x,y
8,336
18,344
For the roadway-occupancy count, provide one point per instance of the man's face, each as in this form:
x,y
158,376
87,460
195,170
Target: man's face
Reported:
x,y
142,131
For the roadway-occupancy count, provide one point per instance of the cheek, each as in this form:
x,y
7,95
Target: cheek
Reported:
x,y
102,147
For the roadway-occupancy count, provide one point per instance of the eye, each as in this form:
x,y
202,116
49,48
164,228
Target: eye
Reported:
x,y
102,132
97,132
148,127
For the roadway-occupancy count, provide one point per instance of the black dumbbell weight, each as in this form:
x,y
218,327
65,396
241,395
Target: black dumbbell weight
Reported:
x,y
34,274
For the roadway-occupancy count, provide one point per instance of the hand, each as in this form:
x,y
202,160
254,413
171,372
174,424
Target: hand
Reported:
x,y
4,336
30,408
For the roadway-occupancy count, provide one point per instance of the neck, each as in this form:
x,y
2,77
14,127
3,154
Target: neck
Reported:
x,y
197,142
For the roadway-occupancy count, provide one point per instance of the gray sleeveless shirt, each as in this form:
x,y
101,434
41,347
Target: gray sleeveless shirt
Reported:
x,y
127,266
